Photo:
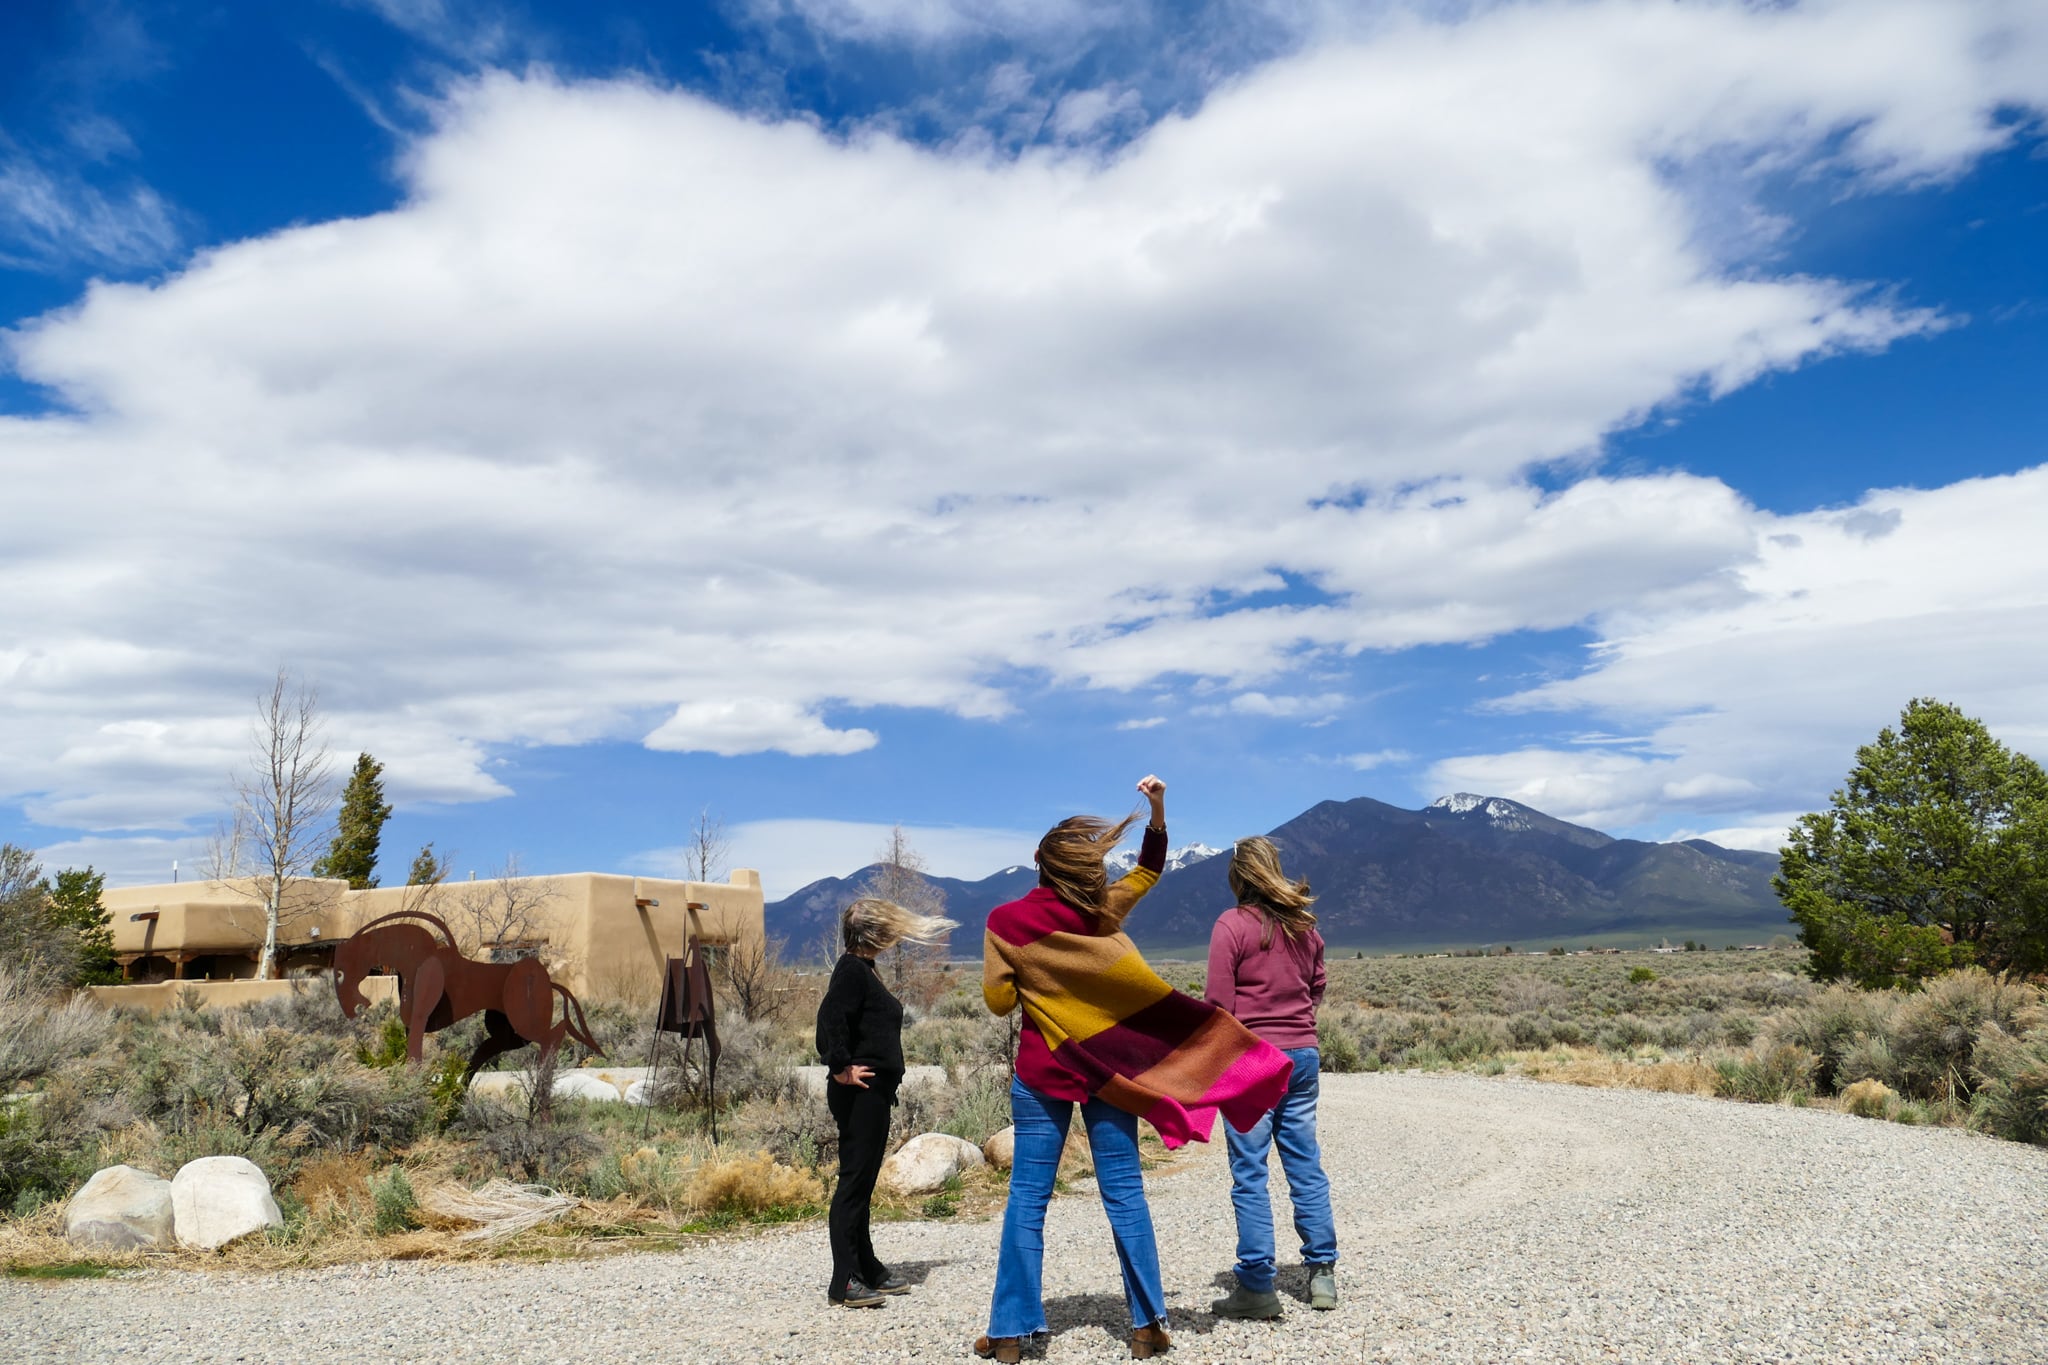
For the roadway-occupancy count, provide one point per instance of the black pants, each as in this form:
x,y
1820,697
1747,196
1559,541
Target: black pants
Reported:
x,y
863,1119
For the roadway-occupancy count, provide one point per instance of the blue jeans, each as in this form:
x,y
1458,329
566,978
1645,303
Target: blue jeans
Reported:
x,y
1019,1306
1292,1128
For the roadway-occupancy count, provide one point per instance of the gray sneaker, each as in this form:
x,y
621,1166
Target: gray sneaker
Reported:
x,y
1247,1305
1322,1287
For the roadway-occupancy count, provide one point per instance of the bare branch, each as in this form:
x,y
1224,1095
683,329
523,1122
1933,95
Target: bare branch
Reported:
x,y
706,848
278,825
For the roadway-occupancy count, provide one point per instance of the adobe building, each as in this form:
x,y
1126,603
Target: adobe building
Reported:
x,y
603,936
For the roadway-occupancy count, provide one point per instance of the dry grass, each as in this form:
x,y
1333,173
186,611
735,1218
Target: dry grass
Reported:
x,y
1591,1067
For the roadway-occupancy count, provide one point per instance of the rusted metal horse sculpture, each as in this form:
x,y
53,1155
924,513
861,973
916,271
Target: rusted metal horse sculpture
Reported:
x,y
437,985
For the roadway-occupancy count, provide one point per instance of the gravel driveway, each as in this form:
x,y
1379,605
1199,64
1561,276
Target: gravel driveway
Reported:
x,y
1480,1220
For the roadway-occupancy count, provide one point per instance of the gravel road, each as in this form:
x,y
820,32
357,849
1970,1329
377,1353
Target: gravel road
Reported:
x,y
1480,1220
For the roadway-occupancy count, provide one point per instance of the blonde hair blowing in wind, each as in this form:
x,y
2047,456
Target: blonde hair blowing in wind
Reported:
x,y
1256,880
873,925
1070,859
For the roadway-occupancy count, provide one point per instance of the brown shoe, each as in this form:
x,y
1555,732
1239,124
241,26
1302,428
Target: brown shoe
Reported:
x,y
1147,1342
1008,1350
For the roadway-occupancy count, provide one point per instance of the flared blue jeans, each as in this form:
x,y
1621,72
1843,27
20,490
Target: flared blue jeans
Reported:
x,y
1019,1306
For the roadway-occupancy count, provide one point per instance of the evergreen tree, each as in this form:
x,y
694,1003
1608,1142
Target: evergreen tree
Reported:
x,y
75,909
353,854
427,869
1934,855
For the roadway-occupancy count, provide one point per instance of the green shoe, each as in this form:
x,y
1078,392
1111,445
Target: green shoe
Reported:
x,y
1322,1287
1247,1305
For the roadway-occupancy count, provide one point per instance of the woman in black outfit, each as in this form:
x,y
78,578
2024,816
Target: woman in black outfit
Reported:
x,y
860,1040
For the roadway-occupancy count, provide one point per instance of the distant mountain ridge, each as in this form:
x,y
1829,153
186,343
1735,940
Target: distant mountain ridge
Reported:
x,y
1464,870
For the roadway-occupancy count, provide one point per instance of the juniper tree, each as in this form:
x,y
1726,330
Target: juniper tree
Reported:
x,y
353,854
1934,854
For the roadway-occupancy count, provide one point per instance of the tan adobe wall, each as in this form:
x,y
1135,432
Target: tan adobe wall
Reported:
x,y
225,994
604,936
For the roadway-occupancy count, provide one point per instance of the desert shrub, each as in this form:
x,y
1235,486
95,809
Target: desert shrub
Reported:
x,y
522,1136
1868,1098
395,1207
1782,1073
1626,1034
978,1107
962,1002
2011,1075
751,1186
1869,1058
1738,1029
1937,1029
1567,1033
958,1040
1525,993
38,1160
1829,1024
1337,1043
1529,1031
39,1031
313,1008
1641,976
1674,1037
794,1125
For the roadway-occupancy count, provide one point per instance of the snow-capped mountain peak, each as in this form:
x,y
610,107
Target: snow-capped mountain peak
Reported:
x,y
1187,855
1500,813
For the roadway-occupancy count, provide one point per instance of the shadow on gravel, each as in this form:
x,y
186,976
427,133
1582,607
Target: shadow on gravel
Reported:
x,y
1090,1314
916,1272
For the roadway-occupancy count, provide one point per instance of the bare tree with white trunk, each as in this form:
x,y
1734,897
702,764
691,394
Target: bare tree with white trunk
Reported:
x,y
279,823
705,848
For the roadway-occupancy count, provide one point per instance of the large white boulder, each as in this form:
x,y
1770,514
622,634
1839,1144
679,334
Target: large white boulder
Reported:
x,y
219,1198
1001,1148
578,1085
816,1079
121,1208
928,1161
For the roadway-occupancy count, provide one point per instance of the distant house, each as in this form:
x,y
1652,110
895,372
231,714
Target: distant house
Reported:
x,y
603,936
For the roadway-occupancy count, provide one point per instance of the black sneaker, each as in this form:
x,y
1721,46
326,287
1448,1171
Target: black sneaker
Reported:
x,y
891,1283
857,1295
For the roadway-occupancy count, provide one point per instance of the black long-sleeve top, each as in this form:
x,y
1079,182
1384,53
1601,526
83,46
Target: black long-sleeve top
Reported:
x,y
859,1020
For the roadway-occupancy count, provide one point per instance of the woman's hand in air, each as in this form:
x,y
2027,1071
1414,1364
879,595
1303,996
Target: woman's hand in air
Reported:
x,y
854,1075
1155,792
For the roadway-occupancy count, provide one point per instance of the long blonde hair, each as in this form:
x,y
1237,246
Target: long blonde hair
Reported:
x,y
1070,862
1256,880
873,925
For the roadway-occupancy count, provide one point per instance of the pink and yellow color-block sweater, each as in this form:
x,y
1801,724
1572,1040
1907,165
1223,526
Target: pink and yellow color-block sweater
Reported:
x,y
1099,1022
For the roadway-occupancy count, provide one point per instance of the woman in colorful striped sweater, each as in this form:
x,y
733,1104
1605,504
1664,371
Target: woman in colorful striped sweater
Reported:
x,y
1103,1031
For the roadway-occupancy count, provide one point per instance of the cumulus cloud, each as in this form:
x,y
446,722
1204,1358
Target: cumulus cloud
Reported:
x,y
791,854
1754,703
640,418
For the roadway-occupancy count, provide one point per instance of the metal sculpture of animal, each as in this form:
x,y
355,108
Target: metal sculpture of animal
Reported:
x,y
437,986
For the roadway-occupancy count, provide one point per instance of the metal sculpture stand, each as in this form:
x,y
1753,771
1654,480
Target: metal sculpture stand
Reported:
x,y
687,1010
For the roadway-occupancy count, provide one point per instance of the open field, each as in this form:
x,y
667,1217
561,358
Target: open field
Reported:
x,y
1480,1220
358,1147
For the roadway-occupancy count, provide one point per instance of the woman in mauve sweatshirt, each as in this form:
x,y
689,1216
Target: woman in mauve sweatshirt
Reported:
x,y
1266,967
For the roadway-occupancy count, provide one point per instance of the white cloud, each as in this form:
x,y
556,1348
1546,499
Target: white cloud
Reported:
x,y
643,419
1766,835
1148,723
52,218
790,854
1757,703
1379,758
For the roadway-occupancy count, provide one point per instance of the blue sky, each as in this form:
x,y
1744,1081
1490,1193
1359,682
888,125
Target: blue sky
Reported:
x,y
844,412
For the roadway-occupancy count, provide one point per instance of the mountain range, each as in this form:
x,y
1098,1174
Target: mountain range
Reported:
x,y
1464,871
